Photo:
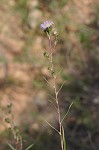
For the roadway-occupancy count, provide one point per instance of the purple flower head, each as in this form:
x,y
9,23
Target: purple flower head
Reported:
x,y
46,25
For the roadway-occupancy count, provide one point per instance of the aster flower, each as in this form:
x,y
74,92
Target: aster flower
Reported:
x,y
46,25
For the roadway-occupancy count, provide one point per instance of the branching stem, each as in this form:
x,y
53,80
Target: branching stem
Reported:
x,y
56,92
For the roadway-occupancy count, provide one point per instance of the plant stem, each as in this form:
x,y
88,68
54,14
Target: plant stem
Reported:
x,y
59,113
56,92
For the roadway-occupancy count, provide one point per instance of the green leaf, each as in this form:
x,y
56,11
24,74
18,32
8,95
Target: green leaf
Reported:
x,y
63,138
11,146
29,147
51,126
67,112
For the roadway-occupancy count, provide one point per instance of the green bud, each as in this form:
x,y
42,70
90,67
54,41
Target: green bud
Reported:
x,y
7,120
53,72
9,108
46,54
55,33
16,129
49,68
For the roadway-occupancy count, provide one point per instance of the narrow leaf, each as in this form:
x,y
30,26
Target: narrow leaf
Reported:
x,y
11,146
51,126
64,140
61,87
52,96
29,147
59,72
67,112
48,82
53,104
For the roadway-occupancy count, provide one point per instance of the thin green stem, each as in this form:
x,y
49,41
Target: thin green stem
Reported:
x,y
51,126
60,87
48,82
53,104
67,112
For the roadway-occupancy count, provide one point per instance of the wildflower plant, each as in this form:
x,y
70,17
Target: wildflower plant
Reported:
x,y
47,27
9,119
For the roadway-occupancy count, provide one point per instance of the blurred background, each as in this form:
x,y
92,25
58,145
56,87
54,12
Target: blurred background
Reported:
x,y
22,67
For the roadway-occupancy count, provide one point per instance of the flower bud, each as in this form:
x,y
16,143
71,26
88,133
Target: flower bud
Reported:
x,y
7,120
55,33
46,54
